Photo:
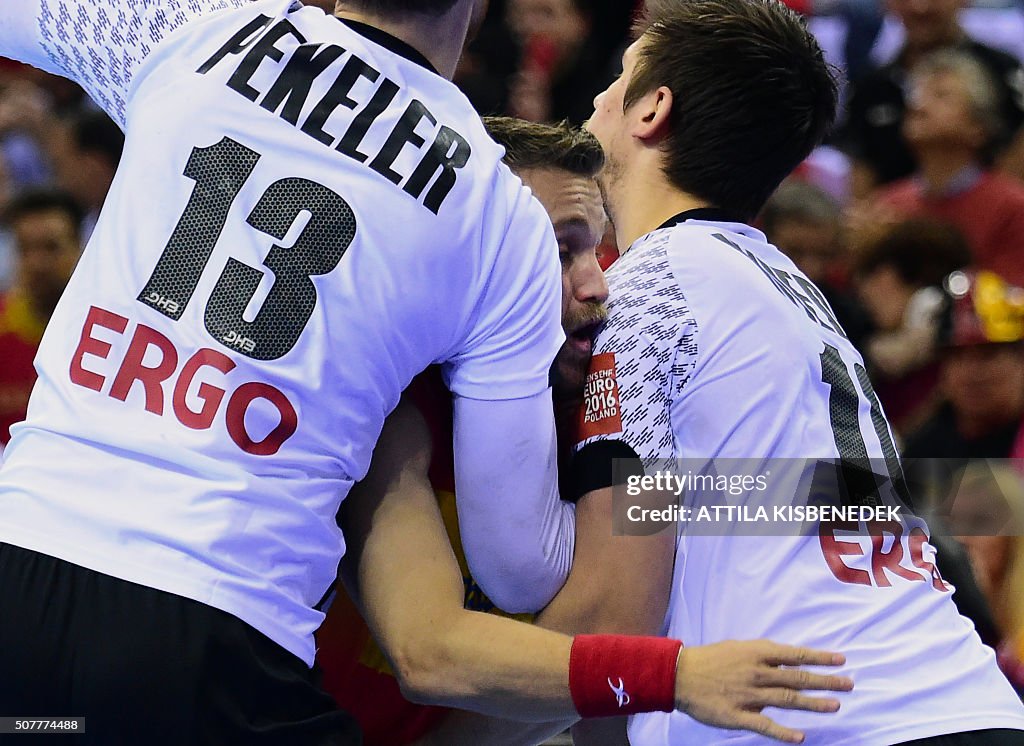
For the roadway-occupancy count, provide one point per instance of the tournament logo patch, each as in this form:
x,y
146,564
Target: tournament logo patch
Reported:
x,y
601,413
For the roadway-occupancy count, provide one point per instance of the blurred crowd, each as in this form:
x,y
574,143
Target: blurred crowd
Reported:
x,y
910,219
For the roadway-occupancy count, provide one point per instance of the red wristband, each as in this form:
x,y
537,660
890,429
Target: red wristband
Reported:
x,y
612,675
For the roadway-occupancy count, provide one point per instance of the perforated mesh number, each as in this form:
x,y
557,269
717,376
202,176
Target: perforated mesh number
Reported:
x,y
858,476
881,425
220,172
291,301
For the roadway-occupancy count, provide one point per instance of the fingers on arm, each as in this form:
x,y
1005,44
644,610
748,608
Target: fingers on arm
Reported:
x,y
802,680
787,655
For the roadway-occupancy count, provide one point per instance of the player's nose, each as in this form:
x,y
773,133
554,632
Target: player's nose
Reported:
x,y
590,282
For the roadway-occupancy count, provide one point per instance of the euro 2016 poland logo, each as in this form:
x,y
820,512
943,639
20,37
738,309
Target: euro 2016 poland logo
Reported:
x,y
601,413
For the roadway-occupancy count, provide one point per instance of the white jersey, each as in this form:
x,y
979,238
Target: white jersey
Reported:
x,y
306,217
717,346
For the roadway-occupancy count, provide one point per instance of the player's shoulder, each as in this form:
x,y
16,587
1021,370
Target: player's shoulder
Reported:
x,y
509,205
154,21
722,264
1005,189
667,260
729,251
646,294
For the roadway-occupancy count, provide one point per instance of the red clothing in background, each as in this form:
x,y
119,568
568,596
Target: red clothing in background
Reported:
x,y
20,333
800,6
990,214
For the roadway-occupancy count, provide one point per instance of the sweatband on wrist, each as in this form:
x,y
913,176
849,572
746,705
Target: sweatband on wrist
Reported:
x,y
613,675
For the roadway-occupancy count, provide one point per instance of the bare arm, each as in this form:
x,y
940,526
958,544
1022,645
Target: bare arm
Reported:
x,y
411,594
619,585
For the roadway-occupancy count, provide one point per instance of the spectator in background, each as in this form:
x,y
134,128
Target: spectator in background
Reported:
x,y
862,20
981,373
562,65
981,383
86,165
803,221
987,517
899,281
27,126
872,135
952,124
46,230
6,244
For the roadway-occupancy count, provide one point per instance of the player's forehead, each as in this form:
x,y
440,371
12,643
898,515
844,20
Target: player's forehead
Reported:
x,y
571,200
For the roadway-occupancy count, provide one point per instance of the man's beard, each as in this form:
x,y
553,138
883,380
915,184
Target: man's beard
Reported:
x,y
569,371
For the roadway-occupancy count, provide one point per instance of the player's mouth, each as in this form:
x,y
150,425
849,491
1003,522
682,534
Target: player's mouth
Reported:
x,y
582,338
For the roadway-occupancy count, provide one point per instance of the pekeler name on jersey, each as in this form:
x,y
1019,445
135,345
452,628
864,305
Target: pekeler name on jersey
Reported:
x,y
150,366
436,173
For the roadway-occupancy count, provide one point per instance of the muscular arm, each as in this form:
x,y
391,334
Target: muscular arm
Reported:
x,y
411,594
402,570
619,585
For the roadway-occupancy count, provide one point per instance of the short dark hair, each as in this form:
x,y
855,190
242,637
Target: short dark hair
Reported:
x,y
921,251
35,201
533,145
398,7
752,95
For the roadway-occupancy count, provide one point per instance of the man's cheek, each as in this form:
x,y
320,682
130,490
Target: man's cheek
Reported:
x,y
566,297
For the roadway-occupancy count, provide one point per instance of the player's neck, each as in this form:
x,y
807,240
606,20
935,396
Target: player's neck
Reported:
x,y
438,38
647,206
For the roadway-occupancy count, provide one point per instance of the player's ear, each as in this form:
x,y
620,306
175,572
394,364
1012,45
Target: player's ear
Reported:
x,y
652,113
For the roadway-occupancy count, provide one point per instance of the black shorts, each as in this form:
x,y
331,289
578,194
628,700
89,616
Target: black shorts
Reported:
x,y
990,737
148,668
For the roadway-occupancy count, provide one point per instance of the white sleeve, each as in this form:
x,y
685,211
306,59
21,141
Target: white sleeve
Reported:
x,y
517,534
516,330
99,44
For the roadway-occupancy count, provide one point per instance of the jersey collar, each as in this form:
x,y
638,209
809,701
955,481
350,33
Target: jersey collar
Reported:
x,y
709,214
386,40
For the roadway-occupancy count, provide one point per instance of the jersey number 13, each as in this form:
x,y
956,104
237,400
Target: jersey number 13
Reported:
x,y
220,171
